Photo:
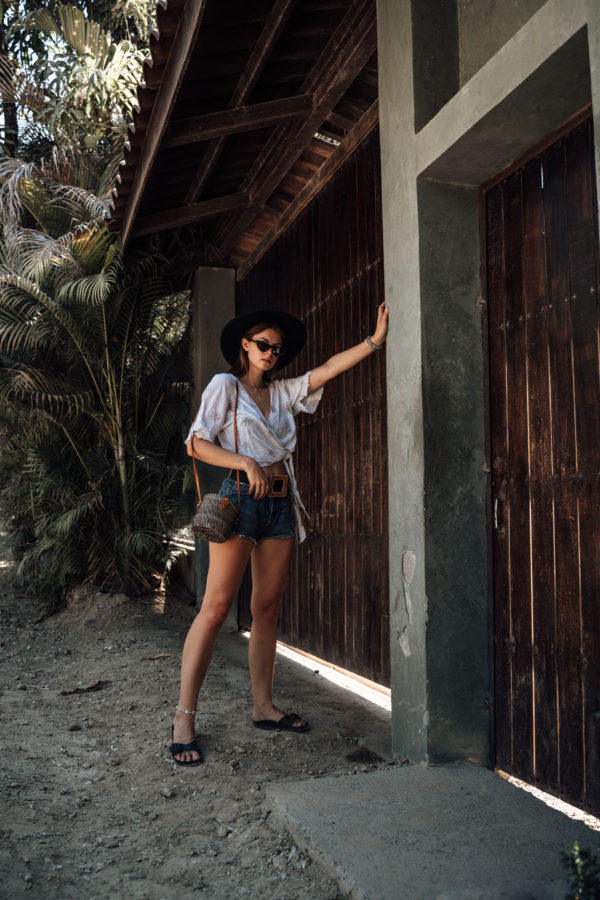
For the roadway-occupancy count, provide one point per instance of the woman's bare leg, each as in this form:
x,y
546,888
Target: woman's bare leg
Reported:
x,y
225,573
270,572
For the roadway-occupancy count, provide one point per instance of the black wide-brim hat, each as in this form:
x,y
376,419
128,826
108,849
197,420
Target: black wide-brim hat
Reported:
x,y
293,329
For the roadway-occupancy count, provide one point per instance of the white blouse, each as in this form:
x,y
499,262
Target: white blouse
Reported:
x,y
265,440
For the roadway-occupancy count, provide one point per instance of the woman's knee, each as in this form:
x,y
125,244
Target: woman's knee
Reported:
x,y
266,607
215,610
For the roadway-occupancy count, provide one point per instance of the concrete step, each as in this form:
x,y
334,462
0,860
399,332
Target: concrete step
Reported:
x,y
455,832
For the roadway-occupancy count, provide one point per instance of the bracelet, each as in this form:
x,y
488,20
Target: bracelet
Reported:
x,y
371,345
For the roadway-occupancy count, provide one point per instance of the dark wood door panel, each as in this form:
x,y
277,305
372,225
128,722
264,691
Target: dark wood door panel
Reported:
x,y
542,290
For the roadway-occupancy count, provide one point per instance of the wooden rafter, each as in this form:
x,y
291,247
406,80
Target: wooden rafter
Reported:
x,y
270,35
181,49
235,121
347,51
193,212
356,136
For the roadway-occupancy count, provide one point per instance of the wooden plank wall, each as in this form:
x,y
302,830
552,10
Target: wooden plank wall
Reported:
x,y
327,269
542,278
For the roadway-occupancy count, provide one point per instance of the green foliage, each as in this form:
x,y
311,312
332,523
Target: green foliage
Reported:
x,y
583,866
93,389
93,347
69,74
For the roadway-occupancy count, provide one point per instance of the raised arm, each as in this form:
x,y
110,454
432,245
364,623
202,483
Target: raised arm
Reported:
x,y
339,363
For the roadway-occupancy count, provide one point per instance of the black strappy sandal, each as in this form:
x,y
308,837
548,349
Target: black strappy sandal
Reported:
x,y
286,723
180,748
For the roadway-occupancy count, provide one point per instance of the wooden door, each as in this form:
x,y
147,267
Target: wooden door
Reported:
x,y
542,288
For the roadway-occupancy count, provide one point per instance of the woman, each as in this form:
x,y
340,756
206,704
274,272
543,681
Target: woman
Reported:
x,y
256,345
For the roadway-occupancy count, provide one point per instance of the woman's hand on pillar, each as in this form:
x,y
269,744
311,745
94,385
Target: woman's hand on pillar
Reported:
x,y
379,335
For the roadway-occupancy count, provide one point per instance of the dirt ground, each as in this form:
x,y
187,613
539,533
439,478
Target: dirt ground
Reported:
x,y
91,806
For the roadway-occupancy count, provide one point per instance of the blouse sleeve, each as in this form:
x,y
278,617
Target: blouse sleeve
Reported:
x,y
296,390
216,400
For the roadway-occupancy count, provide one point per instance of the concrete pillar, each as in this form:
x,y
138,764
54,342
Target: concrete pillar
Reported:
x,y
408,602
213,305
455,481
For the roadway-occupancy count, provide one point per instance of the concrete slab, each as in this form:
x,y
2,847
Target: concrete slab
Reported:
x,y
456,832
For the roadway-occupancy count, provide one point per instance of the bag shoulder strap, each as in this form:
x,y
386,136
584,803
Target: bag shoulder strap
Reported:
x,y
235,434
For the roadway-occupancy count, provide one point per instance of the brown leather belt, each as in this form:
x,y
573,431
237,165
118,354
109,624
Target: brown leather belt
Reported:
x,y
278,484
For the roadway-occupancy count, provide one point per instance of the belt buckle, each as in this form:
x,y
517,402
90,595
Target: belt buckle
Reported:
x,y
278,486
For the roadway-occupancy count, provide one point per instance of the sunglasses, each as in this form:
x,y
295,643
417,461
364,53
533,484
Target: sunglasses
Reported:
x,y
263,346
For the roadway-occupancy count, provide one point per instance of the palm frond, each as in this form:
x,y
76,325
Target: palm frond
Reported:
x,y
81,204
40,19
141,541
24,329
7,79
84,36
35,253
89,503
30,288
67,166
94,247
14,176
40,389
99,256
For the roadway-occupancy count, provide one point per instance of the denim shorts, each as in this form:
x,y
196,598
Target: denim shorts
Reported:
x,y
271,517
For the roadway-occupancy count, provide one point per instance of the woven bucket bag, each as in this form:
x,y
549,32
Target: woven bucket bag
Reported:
x,y
217,516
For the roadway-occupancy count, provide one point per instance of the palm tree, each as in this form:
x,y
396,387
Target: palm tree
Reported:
x,y
92,390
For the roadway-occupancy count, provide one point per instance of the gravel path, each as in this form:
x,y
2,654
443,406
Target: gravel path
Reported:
x,y
91,805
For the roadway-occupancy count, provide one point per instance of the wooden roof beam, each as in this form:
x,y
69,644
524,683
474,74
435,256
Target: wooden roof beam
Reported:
x,y
269,36
181,49
235,121
323,174
187,215
346,53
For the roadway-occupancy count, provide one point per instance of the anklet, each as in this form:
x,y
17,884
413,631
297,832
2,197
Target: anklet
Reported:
x,y
188,712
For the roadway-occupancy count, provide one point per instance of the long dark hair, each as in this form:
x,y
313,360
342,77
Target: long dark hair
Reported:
x,y
241,365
